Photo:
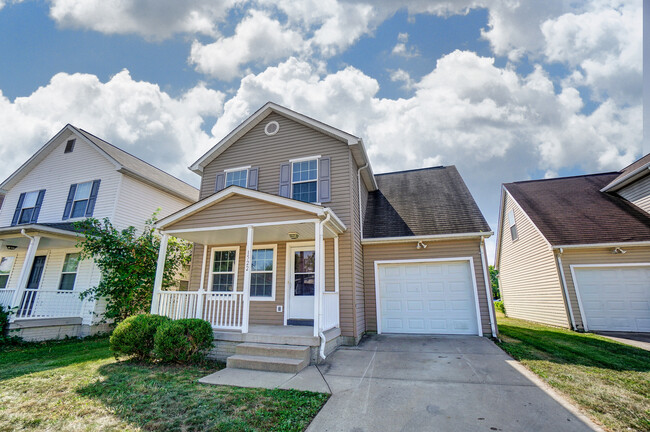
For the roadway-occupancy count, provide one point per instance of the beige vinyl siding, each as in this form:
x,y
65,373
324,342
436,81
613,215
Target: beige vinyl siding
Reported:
x,y
597,256
638,193
406,251
262,312
268,153
56,173
137,201
239,210
528,276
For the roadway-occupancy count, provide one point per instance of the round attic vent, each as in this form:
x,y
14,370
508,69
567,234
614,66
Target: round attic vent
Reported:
x,y
272,128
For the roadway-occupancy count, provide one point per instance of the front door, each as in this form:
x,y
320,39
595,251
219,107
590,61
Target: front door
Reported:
x,y
301,289
27,302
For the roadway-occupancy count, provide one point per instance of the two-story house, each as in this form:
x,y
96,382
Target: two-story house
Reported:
x,y
73,176
298,242
575,251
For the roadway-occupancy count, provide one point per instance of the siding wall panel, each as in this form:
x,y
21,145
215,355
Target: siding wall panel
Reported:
x,y
638,193
528,276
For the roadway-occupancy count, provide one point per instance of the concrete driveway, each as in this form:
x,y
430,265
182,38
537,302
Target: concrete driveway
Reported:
x,y
435,383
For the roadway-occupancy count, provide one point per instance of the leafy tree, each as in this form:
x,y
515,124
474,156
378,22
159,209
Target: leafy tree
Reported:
x,y
127,262
494,281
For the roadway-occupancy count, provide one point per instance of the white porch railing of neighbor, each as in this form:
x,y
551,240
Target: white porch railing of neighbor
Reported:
x,y
224,310
330,310
5,297
49,304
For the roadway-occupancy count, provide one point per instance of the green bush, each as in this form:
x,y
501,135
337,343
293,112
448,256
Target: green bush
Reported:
x,y
183,341
135,335
498,305
5,339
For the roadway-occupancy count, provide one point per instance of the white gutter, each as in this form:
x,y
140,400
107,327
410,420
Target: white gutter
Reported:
x,y
359,196
488,288
625,180
321,290
566,290
436,237
601,245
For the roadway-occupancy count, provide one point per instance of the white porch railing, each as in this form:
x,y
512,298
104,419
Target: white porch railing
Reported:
x,y
49,304
330,310
5,297
224,310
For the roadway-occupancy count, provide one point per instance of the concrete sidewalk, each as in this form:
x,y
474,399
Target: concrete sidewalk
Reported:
x,y
413,383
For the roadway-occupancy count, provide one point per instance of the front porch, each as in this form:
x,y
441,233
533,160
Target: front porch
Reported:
x,y
288,272
41,278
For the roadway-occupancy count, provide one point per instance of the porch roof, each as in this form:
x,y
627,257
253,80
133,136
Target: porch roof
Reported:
x,y
54,235
225,216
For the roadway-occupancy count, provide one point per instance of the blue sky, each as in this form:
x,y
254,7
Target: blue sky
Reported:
x,y
538,90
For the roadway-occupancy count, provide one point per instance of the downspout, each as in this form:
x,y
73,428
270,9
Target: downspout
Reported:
x,y
322,290
567,299
488,288
359,195
22,231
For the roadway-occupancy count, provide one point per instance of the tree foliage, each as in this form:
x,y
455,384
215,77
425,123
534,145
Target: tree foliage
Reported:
x,y
127,261
494,281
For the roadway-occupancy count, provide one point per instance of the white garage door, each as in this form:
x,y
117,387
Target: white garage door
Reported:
x,y
436,297
615,298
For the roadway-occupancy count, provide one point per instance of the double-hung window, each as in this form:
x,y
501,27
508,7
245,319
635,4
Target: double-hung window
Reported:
x,y
69,272
224,269
513,225
81,199
28,207
237,178
263,273
304,180
6,264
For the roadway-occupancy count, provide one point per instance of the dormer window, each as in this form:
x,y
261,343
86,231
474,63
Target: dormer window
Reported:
x,y
513,225
304,180
69,146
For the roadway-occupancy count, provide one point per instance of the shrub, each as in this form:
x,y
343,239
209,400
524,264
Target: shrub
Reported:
x,y
498,305
5,339
135,335
183,341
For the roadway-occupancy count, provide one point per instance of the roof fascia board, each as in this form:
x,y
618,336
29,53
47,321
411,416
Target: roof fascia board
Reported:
x,y
603,245
41,228
434,237
624,181
236,190
502,203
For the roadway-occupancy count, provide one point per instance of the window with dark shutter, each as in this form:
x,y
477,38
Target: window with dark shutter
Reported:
x,y
28,207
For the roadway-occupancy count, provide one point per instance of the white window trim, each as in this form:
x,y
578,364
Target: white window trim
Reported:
x,y
11,271
317,159
247,167
470,260
225,179
512,224
61,273
235,268
79,218
22,207
275,270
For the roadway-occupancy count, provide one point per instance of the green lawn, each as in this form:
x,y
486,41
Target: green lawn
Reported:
x,y
609,380
78,385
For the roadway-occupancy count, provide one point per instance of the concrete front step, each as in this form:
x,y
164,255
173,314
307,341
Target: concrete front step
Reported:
x,y
265,363
273,350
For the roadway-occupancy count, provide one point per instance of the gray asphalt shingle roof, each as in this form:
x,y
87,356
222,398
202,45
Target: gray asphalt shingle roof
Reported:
x,y
572,210
429,201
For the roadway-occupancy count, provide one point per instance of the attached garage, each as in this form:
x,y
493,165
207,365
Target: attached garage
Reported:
x,y
427,297
615,297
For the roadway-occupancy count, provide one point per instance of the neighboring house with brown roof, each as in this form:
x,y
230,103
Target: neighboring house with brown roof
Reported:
x,y
73,176
303,245
575,251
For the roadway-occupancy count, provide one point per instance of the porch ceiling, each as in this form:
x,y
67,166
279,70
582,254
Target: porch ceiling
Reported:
x,y
50,238
261,234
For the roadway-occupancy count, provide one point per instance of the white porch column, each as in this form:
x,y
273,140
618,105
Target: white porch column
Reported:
x,y
24,271
336,264
160,270
247,279
201,295
318,272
